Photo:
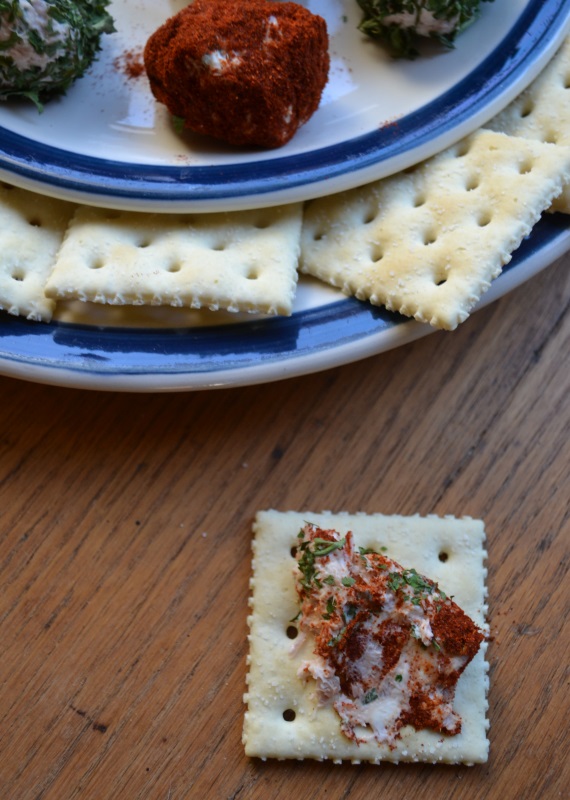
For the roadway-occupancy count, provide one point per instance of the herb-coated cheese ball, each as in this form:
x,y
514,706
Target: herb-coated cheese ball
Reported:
x,y
45,45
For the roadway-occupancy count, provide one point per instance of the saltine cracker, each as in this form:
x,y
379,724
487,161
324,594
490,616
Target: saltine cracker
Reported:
x,y
274,691
429,241
238,261
542,112
31,230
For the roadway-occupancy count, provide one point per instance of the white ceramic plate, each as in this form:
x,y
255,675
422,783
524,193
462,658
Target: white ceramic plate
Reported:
x,y
108,143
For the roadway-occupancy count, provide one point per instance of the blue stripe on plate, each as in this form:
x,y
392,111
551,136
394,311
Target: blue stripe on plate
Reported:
x,y
111,352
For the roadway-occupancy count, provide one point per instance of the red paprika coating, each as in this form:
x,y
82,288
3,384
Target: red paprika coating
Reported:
x,y
265,69
378,626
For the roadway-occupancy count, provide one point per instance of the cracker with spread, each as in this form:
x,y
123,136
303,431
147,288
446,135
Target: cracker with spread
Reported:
x,y
355,657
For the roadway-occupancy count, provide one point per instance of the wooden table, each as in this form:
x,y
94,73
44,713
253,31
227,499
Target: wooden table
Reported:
x,y
125,557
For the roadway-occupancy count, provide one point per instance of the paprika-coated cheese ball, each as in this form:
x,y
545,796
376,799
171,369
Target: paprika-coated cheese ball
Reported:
x,y
248,73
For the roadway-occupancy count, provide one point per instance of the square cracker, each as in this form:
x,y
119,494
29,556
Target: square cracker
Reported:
x,y
239,261
31,230
542,112
428,242
273,685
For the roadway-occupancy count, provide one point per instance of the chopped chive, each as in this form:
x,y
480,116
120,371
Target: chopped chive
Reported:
x,y
370,696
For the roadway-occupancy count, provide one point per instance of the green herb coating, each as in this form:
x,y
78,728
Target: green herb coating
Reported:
x,y
402,39
45,45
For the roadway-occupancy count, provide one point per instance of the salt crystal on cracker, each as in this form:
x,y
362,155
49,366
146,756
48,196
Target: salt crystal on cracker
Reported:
x,y
283,719
239,261
428,242
31,231
542,112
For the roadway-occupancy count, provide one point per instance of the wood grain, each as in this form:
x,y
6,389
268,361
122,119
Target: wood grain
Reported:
x,y
125,553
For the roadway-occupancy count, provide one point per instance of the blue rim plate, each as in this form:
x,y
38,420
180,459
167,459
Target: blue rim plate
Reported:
x,y
108,143
325,336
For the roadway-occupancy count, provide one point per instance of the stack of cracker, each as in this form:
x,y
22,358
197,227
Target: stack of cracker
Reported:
x,y
426,243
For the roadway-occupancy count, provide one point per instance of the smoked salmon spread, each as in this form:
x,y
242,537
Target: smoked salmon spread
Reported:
x,y
390,645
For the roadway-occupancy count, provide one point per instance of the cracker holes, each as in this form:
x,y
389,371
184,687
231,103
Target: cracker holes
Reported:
x,y
419,200
551,137
289,715
566,81
439,281
524,167
292,631
526,108
429,236
460,150
443,556
18,274
219,246
262,223
483,218
174,265
369,214
144,243
318,235
376,252
35,222
472,182
96,263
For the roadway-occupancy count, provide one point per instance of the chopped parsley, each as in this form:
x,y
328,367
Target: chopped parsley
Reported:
x,y
306,563
336,639
330,607
349,612
327,546
409,577
370,696
395,581
450,18
178,125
